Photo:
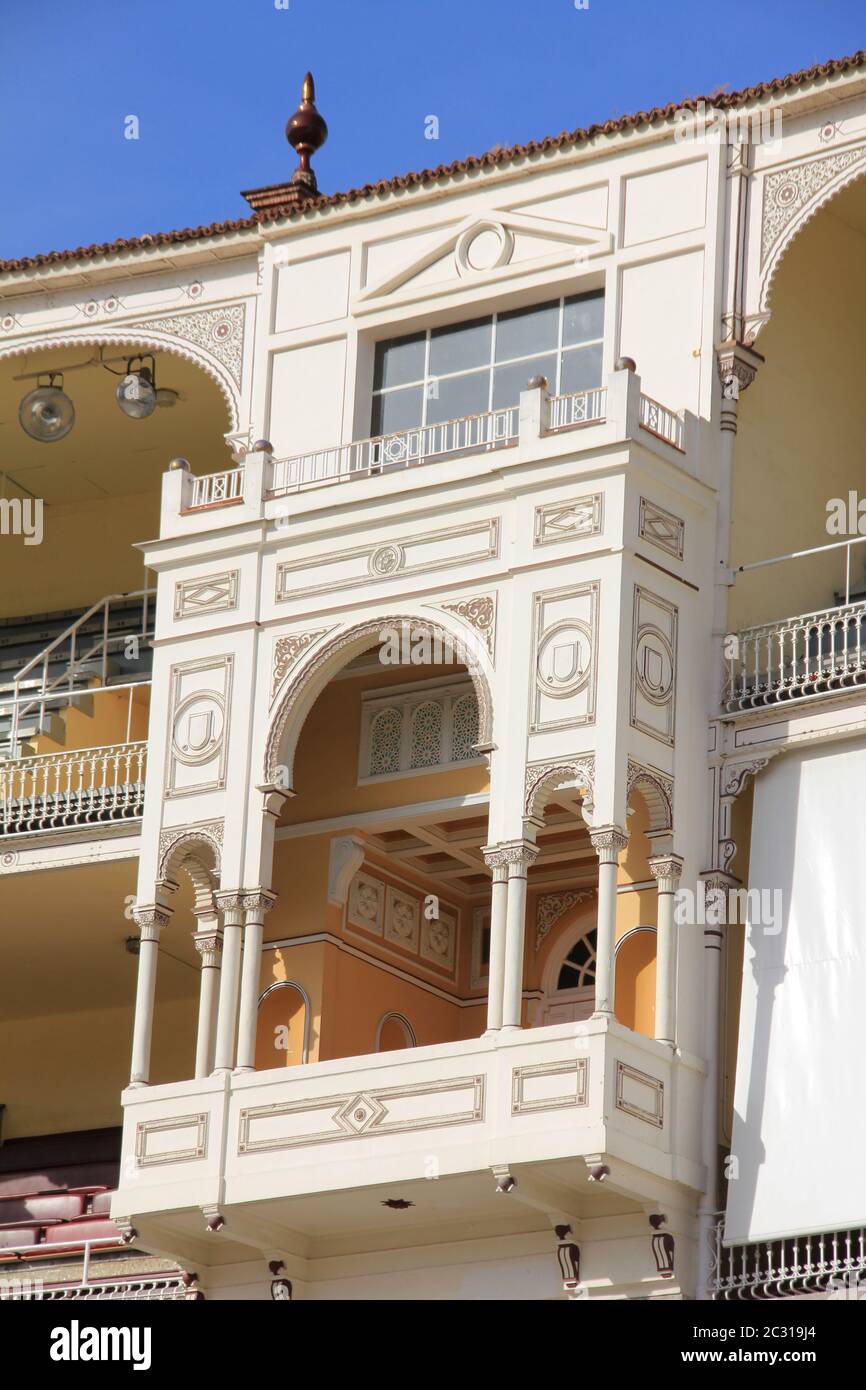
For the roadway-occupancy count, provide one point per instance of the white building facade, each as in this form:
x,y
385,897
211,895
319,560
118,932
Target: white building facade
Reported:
x,y
489,467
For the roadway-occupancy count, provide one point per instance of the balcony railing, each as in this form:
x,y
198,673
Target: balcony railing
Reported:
x,y
217,489
790,1267
663,423
810,655
82,787
494,429
577,408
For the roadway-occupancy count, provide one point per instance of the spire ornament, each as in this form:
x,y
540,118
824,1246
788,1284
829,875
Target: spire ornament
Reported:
x,y
306,132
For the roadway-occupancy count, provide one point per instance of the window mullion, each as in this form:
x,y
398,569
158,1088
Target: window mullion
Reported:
x,y
426,386
557,390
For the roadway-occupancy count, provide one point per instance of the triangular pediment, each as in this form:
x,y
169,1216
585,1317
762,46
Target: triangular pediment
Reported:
x,y
495,248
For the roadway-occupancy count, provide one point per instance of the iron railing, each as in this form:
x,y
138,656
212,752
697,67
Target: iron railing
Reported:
x,y
82,787
82,657
832,1262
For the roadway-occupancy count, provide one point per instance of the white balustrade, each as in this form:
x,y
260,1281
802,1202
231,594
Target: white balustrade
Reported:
x,y
788,1266
577,408
385,453
217,489
81,787
660,421
807,655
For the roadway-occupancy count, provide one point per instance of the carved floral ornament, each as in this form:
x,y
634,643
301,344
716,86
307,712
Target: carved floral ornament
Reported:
x,y
288,650
519,852
173,838
211,339
480,614
542,779
326,662
550,907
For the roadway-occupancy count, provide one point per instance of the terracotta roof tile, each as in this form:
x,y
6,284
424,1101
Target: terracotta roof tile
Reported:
x,y
269,205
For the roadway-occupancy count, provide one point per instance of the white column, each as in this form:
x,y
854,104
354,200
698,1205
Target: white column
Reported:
x,y
150,921
496,959
608,841
208,943
717,885
666,870
255,906
231,905
518,857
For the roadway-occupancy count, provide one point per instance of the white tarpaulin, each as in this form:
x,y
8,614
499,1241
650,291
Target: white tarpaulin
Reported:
x,y
799,1133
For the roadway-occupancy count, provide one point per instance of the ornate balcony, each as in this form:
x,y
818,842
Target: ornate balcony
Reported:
x,y
593,1090
831,1263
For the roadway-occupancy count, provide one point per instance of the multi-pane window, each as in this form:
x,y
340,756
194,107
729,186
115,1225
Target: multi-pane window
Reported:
x,y
418,728
468,368
578,968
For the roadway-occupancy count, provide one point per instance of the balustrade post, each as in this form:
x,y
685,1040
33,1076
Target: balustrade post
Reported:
x,y
607,841
150,921
255,906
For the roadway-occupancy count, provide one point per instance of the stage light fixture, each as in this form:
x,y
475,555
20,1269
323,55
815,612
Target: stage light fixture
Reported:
x,y
47,413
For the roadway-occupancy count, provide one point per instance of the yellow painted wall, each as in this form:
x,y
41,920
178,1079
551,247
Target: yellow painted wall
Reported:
x,y
803,421
86,553
66,1071
326,763
101,721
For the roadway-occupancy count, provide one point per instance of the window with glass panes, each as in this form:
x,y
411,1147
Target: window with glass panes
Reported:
x,y
465,369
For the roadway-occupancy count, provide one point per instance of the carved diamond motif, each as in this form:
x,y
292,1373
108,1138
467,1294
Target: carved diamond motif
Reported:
x,y
359,1113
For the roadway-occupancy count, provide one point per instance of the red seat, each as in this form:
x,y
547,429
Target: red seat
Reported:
x,y
18,1235
73,1232
59,1206
101,1205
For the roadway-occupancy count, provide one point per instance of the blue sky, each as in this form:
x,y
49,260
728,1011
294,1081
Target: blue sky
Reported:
x,y
212,83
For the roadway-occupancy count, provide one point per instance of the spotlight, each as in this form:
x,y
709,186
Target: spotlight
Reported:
x,y
47,414
136,393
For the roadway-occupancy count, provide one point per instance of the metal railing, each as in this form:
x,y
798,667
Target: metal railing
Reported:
x,y
660,421
809,654
790,1267
25,1283
577,408
79,663
217,489
82,787
493,429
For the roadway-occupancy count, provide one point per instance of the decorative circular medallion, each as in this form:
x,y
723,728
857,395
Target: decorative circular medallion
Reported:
x,y
484,247
198,728
386,560
654,665
564,658
7,323
91,308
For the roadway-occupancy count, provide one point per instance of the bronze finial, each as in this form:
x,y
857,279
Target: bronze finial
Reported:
x,y
306,132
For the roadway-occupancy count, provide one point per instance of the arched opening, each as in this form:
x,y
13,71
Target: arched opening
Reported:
x,y
801,422
394,1032
377,855
282,1031
635,1003
570,992
73,508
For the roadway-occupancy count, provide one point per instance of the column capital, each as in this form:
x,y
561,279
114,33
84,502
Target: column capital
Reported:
x,y
150,918
738,366
667,870
257,900
230,901
508,852
608,841
209,945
